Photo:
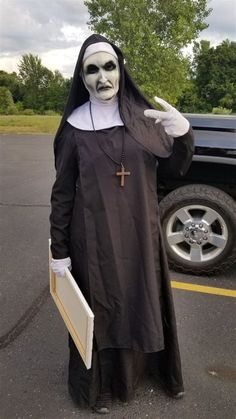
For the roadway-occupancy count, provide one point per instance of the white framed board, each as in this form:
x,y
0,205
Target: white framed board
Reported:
x,y
74,310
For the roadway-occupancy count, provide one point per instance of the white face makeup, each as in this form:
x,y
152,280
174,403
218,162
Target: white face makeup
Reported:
x,y
101,75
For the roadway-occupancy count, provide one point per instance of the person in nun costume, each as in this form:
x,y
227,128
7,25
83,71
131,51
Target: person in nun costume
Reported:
x,y
109,149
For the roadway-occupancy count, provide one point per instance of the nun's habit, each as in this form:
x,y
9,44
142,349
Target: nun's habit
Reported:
x,y
113,237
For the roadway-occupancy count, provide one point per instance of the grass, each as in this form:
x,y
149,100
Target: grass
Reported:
x,y
28,124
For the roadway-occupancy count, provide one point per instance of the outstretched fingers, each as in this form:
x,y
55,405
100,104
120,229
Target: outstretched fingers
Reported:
x,y
157,115
163,103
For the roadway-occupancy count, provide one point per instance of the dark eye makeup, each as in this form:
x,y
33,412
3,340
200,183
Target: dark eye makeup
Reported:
x,y
93,69
109,66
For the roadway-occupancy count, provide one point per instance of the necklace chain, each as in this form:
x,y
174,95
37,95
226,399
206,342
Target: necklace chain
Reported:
x,y
122,173
122,158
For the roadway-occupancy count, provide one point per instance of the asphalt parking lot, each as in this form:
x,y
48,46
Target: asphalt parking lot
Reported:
x,y
33,342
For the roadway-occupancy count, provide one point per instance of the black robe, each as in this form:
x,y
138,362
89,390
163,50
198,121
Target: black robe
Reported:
x,y
113,236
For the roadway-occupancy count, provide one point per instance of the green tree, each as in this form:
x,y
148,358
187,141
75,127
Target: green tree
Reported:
x,y
36,79
57,92
43,88
7,106
213,81
215,73
12,82
152,34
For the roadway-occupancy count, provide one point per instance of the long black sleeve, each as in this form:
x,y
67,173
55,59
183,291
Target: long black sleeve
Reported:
x,y
63,193
180,159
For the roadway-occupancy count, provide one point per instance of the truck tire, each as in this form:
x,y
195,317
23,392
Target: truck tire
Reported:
x,y
199,226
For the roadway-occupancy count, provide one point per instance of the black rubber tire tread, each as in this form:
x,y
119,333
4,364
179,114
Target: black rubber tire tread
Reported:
x,y
218,200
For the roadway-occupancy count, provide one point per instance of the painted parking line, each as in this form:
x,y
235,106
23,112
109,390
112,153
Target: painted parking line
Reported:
x,y
203,289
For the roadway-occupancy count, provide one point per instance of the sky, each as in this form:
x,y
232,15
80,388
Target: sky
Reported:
x,y
55,29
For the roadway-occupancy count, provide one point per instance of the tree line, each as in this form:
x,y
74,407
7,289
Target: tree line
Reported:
x,y
210,84
35,89
152,34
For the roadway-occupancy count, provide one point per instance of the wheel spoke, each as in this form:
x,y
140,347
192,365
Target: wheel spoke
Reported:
x,y
183,215
217,240
175,238
210,216
196,254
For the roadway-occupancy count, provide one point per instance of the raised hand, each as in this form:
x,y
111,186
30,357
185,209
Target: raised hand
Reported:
x,y
174,123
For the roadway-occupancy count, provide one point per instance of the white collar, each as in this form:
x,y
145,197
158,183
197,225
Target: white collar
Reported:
x,y
105,115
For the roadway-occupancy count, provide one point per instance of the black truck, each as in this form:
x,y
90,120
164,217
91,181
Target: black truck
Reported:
x,y
198,210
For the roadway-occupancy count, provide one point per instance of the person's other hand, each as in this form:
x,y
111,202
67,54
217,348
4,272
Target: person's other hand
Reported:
x,y
173,122
59,266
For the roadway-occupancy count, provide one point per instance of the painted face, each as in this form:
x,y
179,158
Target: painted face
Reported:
x,y
101,75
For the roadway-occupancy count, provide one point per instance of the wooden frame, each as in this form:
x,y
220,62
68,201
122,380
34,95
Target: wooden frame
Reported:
x,y
75,311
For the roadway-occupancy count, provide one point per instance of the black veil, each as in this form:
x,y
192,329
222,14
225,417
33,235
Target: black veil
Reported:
x,y
132,103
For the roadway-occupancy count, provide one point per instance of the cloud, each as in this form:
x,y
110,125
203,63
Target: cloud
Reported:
x,y
221,21
55,30
62,59
39,26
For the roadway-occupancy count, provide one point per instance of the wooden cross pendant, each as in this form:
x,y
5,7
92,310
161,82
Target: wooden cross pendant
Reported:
x,y
122,175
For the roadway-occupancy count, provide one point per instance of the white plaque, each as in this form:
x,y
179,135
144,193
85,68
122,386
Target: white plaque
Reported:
x,y
75,311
